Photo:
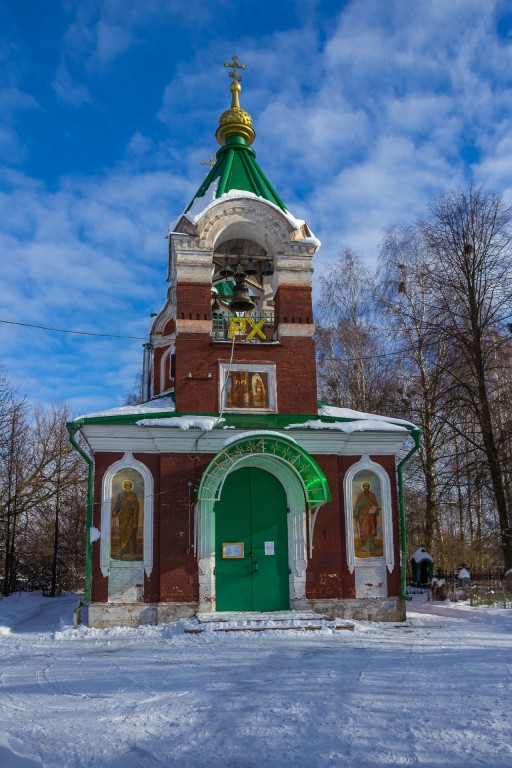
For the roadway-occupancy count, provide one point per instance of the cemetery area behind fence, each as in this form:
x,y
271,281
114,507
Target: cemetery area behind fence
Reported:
x,y
484,588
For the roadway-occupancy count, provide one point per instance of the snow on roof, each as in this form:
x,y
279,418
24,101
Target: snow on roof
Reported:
x,y
348,413
203,204
361,425
257,433
183,422
422,554
159,405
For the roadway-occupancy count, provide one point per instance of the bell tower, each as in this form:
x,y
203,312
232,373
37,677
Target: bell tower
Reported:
x,y
236,332
206,496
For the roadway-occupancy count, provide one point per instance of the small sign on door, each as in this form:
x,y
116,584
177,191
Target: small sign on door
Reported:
x,y
233,550
269,548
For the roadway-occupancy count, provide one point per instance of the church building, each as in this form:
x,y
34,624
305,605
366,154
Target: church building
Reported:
x,y
231,488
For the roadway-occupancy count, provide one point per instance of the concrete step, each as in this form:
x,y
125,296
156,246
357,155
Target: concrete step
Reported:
x,y
273,616
263,622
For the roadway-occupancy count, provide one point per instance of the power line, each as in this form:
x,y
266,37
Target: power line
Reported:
x,y
320,358
66,330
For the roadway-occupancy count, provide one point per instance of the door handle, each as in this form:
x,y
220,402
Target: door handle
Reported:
x,y
256,566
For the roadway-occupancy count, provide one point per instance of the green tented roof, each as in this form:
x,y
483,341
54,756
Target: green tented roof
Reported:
x,y
236,168
224,288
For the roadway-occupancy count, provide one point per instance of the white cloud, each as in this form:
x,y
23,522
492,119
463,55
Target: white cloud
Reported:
x,y
396,97
13,103
90,256
361,119
100,31
68,90
139,145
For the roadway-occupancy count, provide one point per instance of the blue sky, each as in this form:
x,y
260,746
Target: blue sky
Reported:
x,y
364,111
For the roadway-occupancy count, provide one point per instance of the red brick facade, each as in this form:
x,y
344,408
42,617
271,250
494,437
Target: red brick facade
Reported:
x,y
197,355
174,577
196,382
293,305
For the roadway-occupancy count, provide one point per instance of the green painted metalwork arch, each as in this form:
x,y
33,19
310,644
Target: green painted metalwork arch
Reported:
x,y
272,445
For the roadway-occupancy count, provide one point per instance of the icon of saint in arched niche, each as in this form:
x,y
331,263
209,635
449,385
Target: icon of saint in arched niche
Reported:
x,y
127,516
367,508
259,397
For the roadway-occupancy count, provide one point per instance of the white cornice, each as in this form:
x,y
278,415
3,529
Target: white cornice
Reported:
x,y
163,341
154,439
296,329
193,326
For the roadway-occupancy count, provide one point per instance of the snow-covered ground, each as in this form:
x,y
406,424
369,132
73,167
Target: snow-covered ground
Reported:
x,y
436,691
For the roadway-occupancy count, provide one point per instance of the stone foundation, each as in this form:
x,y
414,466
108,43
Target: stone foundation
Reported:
x,y
102,615
362,609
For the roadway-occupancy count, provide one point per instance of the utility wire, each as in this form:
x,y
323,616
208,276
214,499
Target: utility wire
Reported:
x,y
320,358
66,330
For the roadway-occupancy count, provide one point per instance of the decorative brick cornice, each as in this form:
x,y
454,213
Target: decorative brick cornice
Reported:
x,y
168,312
257,220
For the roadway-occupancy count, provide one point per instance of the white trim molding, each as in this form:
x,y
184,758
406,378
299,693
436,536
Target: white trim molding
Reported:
x,y
165,365
127,462
387,520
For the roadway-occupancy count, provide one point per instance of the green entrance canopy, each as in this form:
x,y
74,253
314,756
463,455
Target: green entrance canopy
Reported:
x,y
271,445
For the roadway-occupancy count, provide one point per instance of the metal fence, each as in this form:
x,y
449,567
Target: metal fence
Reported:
x,y
491,598
250,329
484,588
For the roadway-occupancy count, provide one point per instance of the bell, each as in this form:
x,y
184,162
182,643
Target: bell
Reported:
x,y
267,269
239,273
241,301
226,269
250,268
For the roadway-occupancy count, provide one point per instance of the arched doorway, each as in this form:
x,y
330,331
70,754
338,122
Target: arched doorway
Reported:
x,y
305,489
251,543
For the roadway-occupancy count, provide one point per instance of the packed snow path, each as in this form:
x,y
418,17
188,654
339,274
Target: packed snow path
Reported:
x,y
436,691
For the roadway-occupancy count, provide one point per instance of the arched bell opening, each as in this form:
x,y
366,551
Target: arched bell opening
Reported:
x,y
242,287
242,258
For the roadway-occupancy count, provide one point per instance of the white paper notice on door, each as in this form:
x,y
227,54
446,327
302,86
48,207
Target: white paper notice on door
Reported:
x,y
269,548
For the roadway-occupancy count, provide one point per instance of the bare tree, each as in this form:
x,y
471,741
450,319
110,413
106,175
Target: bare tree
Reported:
x,y
353,370
405,294
63,483
469,235
134,396
42,496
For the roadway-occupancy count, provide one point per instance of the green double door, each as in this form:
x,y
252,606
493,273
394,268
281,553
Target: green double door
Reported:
x,y
251,568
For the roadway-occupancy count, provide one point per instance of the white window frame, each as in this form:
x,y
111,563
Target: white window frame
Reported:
x,y
270,369
127,462
387,520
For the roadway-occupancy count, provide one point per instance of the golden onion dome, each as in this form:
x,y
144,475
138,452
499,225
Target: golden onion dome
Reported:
x,y
235,120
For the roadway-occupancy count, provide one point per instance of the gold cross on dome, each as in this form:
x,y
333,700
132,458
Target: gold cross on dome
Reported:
x,y
236,66
210,162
